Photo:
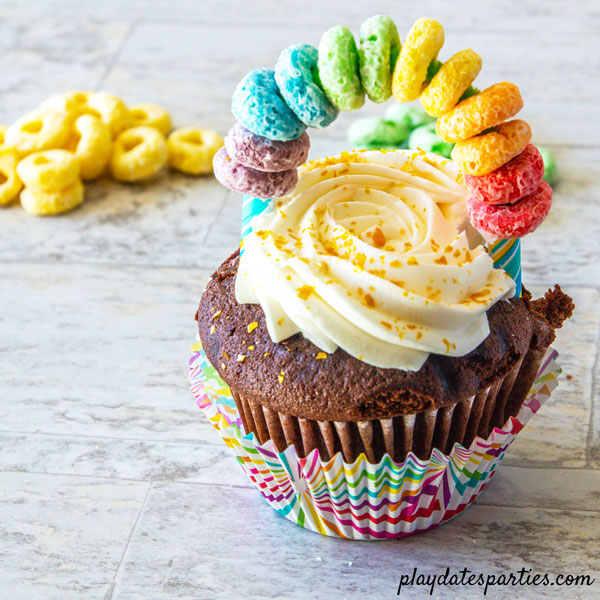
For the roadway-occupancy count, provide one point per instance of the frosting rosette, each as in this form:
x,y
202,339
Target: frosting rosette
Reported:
x,y
372,253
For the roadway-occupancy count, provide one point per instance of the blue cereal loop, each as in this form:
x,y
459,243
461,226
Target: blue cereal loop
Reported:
x,y
258,106
294,76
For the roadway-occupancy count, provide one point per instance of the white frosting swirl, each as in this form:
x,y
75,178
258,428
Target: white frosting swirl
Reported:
x,y
370,253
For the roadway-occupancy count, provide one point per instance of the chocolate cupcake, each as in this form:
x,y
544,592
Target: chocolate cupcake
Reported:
x,y
365,316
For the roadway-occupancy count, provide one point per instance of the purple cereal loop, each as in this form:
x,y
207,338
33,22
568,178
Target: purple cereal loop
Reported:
x,y
263,154
260,184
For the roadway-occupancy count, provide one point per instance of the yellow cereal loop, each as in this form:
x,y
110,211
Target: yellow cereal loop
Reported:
x,y
10,184
38,130
150,115
49,169
111,110
138,153
422,45
485,153
450,82
40,202
487,109
90,141
74,103
3,129
191,149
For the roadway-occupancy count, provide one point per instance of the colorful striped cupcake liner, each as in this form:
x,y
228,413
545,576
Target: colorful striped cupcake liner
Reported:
x,y
361,500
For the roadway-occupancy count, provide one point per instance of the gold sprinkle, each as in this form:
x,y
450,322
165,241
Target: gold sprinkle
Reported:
x,y
305,291
225,354
379,238
212,329
280,321
412,261
266,354
369,301
386,324
441,260
250,347
241,357
217,314
252,326
321,355
281,376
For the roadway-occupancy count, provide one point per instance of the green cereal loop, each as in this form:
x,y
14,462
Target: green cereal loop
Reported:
x,y
550,170
338,66
379,49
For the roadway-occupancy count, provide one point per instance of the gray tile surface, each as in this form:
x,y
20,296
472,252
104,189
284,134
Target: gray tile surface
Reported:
x,y
112,484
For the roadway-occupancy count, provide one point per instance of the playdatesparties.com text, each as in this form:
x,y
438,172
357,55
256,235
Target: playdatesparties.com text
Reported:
x,y
466,577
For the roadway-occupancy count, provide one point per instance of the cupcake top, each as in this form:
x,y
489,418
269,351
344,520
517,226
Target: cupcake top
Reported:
x,y
372,253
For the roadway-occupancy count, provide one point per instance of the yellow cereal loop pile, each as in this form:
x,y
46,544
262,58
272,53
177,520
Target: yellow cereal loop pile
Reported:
x,y
81,135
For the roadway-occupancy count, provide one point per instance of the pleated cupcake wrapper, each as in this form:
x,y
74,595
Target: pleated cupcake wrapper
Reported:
x,y
361,499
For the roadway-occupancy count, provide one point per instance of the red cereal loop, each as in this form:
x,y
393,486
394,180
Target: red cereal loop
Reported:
x,y
512,220
517,178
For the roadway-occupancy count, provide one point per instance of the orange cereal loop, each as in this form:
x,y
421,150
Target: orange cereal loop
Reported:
x,y
485,153
422,44
487,109
451,82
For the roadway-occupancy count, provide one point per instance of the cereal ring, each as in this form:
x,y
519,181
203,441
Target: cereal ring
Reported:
x,y
507,221
451,82
421,46
150,115
373,132
487,109
378,51
191,149
111,110
294,76
259,107
10,184
339,69
49,170
263,154
426,138
485,153
550,171
517,178
38,130
39,202
74,103
91,143
260,184
3,129
138,153
413,116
